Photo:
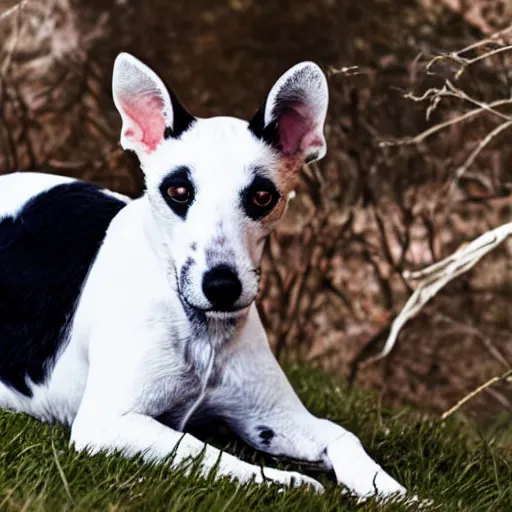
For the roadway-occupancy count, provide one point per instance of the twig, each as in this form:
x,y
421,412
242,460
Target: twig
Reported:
x,y
472,157
347,71
468,62
445,124
19,9
435,277
465,63
487,343
475,392
491,39
456,56
15,7
450,91
435,95
459,93
500,398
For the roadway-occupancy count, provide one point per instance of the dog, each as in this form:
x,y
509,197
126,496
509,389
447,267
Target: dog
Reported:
x,y
130,320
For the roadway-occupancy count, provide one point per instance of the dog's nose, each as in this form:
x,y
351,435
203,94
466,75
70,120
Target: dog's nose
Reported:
x,y
221,287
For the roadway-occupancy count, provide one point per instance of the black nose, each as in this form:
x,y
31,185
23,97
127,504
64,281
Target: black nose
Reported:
x,y
221,287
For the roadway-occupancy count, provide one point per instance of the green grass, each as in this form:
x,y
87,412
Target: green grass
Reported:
x,y
445,462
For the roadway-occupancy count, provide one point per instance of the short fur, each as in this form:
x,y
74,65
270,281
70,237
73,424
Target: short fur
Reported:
x,y
41,277
130,320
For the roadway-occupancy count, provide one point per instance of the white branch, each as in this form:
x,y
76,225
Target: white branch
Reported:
x,y
431,279
12,9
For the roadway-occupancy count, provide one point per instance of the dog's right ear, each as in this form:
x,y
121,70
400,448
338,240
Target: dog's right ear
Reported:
x,y
149,111
292,117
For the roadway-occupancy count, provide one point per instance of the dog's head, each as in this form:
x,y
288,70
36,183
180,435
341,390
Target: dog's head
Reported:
x,y
217,186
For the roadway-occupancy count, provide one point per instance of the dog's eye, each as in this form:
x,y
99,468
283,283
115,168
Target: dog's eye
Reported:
x,y
262,198
259,198
180,194
178,191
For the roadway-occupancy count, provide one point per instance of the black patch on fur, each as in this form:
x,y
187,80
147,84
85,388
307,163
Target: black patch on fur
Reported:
x,y
259,183
185,272
45,254
312,157
198,324
180,177
182,118
196,317
268,134
167,132
218,252
266,435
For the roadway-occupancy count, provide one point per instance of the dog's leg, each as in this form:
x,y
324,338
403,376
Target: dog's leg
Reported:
x,y
116,414
134,434
257,401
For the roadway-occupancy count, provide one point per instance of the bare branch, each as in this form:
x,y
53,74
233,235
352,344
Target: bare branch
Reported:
x,y
505,377
445,124
435,277
484,142
12,9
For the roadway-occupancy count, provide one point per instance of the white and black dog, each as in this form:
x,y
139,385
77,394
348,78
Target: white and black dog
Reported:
x,y
129,321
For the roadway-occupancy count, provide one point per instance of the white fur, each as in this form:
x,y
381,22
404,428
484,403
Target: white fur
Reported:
x,y
18,188
134,354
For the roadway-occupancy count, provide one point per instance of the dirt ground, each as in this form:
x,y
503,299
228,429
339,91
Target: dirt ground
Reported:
x,y
366,213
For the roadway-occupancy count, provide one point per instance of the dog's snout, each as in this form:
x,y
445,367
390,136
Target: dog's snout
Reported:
x,y
221,287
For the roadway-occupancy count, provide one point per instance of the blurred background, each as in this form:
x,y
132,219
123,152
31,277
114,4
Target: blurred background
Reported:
x,y
333,272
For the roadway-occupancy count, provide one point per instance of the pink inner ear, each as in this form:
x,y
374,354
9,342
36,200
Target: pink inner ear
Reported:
x,y
297,131
146,113
292,129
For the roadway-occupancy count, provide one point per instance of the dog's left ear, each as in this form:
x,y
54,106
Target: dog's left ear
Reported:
x,y
293,115
149,110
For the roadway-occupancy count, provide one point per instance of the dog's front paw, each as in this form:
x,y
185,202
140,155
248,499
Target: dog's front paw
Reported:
x,y
361,475
289,479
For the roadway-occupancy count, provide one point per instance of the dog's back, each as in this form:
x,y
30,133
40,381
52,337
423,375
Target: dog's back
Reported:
x,y
50,231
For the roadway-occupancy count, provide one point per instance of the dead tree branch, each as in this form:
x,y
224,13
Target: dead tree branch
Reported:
x,y
435,277
505,377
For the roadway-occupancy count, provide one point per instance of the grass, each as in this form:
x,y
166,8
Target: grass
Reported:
x,y
446,462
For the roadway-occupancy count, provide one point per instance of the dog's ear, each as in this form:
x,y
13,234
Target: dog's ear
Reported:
x,y
149,111
293,115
